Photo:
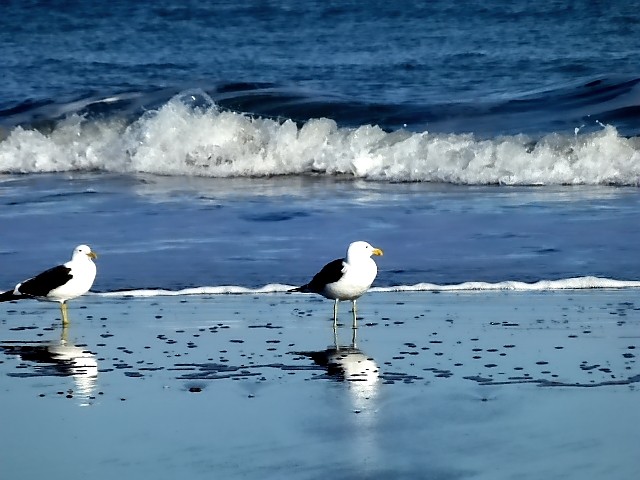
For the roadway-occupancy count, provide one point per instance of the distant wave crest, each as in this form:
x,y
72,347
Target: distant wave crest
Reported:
x,y
191,136
577,283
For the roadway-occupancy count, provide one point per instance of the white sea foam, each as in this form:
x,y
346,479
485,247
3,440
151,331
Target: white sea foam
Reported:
x,y
213,290
577,283
179,139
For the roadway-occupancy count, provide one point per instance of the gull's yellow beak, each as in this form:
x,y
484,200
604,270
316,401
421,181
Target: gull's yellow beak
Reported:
x,y
92,255
377,251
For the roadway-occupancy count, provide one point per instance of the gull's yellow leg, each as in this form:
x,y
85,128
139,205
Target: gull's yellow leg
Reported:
x,y
65,317
335,315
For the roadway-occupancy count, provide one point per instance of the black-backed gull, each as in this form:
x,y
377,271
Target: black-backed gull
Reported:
x,y
345,278
59,284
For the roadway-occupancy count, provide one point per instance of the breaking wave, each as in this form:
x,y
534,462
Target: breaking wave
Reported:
x,y
191,134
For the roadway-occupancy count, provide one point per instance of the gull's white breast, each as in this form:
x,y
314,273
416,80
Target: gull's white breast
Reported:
x,y
355,281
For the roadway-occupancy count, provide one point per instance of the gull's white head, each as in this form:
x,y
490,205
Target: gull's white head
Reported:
x,y
82,251
361,250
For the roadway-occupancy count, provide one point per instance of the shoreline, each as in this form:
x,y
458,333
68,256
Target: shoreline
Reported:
x,y
572,283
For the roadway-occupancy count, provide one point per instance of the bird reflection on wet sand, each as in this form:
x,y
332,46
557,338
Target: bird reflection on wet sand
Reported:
x,y
349,363
58,358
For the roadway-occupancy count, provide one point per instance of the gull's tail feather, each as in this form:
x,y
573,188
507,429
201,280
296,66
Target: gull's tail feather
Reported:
x,y
8,296
303,289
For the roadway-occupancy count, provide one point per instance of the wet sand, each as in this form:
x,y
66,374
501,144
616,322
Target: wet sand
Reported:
x,y
479,385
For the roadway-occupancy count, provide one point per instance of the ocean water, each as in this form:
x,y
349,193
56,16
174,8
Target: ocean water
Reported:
x,y
236,147
231,147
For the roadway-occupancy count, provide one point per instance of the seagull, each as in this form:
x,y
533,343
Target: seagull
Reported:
x,y
61,283
345,278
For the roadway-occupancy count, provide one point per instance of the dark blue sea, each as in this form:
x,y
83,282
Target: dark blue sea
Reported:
x,y
242,145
